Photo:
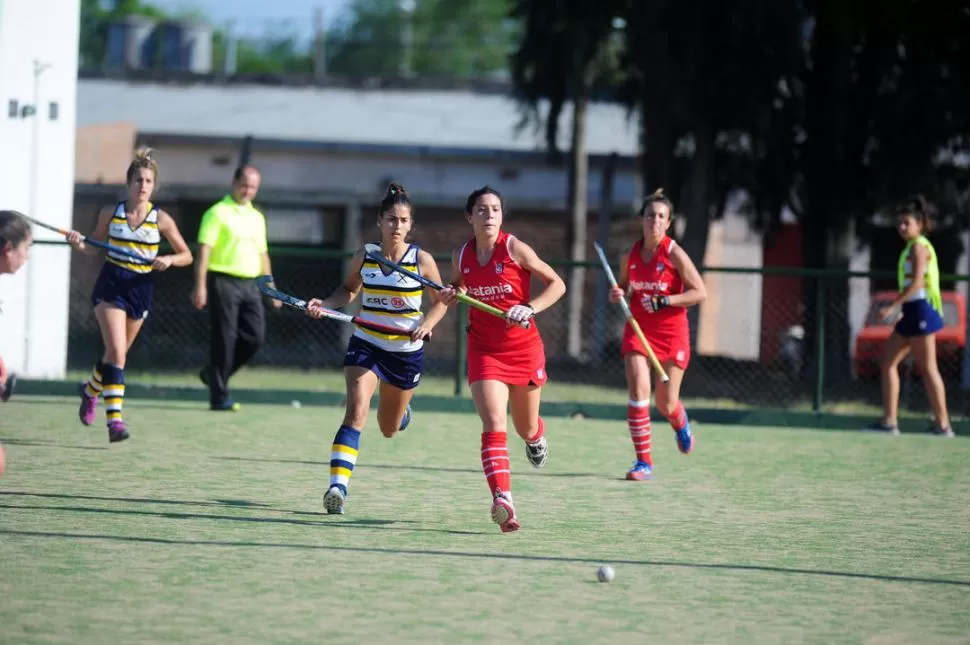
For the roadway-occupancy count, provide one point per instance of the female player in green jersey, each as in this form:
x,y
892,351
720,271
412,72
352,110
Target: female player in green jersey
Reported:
x,y
922,317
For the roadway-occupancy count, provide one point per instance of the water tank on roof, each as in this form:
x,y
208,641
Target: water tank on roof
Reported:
x,y
197,44
186,47
131,43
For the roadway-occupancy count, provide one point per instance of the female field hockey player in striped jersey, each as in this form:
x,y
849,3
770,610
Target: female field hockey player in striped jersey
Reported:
x,y
122,295
922,317
662,282
394,362
15,241
506,358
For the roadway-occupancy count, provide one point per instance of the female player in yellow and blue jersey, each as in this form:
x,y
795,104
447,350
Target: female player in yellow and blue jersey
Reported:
x,y
122,296
922,317
392,361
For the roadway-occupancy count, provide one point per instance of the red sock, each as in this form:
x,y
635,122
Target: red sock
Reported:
x,y
495,462
539,433
638,421
678,418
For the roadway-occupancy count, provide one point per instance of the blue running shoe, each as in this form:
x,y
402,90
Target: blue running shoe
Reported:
x,y
685,440
406,421
641,471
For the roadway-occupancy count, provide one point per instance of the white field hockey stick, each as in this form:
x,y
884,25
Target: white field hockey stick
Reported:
x,y
629,315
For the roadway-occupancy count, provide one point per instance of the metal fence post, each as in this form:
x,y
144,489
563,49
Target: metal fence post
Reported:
x,y
460,367
819,345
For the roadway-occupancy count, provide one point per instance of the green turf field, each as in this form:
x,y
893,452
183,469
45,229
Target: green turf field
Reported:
x,y
208,528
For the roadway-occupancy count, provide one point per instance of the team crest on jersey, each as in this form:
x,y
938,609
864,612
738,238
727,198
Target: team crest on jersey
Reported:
x,y
397,302
660,267
499,267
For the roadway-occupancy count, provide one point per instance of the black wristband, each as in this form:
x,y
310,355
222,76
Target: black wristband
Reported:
x,y
659,302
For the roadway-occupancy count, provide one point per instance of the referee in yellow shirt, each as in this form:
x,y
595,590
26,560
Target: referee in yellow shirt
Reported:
x,y
232,254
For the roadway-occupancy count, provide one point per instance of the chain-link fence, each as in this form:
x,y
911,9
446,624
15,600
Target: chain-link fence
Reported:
x,y
756,338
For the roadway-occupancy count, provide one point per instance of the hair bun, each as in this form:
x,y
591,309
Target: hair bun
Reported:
x,y
659,192
396,189
144,153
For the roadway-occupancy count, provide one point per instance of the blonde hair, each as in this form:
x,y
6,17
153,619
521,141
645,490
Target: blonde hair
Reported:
x,y
144,158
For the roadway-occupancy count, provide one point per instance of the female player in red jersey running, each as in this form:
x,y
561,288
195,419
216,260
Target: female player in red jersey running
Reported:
x,y
506,358
662,282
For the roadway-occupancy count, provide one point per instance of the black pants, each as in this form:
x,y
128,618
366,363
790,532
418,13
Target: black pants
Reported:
x,y
238,329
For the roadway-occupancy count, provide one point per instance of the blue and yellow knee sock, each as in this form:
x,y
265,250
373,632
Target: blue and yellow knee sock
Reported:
x,y
93,386
343,457
113,378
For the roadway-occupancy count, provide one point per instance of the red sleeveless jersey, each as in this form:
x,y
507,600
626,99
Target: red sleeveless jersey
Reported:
x,y
655,276
500,282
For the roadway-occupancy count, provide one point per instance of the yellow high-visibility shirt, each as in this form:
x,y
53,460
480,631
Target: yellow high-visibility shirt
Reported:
x,y
237,235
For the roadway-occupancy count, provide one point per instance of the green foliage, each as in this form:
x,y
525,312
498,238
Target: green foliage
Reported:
x,y
448,38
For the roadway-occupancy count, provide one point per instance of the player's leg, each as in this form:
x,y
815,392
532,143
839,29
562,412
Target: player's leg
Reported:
x,y
491,399
116,329
524,401
924,353
670,405
361,384
638,414
896,350
223,324
393,409
399,373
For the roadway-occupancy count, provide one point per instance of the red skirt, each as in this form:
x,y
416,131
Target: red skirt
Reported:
x,y
512,367
669,346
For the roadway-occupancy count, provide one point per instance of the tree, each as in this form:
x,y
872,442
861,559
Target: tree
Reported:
x,y
564,51
443,38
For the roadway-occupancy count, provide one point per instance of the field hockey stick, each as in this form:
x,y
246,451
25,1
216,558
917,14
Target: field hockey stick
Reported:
x,y
292,301
629,315
428,282
137,259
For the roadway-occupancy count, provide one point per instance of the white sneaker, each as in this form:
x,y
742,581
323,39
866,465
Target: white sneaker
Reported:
x,y
333,501
503,512
537,453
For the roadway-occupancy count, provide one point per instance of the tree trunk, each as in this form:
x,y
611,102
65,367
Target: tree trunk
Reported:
x,y
578,172
825,225
697,196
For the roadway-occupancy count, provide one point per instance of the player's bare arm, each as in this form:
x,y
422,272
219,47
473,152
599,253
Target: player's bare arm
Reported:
x,y
170,231
449,295
346,292
429,269
529,260
694,290
100,233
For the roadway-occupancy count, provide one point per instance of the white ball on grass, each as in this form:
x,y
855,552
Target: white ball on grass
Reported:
x,y
296,404
605,574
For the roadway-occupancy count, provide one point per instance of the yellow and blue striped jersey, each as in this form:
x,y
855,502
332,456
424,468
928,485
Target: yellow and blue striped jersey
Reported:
x,y
390,299
142,241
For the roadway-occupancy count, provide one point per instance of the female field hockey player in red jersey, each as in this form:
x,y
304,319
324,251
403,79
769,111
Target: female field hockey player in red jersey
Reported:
x,y
392,363
662,282
506,358
122,296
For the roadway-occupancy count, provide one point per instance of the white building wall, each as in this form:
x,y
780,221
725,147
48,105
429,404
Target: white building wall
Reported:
x,y
37,175
364,176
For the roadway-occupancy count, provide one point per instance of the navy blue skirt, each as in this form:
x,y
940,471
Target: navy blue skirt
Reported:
x,y
125,289
919,319
400,369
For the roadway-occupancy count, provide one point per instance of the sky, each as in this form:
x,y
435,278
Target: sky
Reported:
x,y
251,17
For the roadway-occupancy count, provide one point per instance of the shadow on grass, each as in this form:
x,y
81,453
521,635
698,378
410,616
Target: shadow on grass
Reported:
x,y
37,443
138,500
331,523
486,556
437,469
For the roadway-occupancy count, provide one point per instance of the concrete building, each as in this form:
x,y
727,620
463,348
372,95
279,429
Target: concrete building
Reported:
x,y
38,82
